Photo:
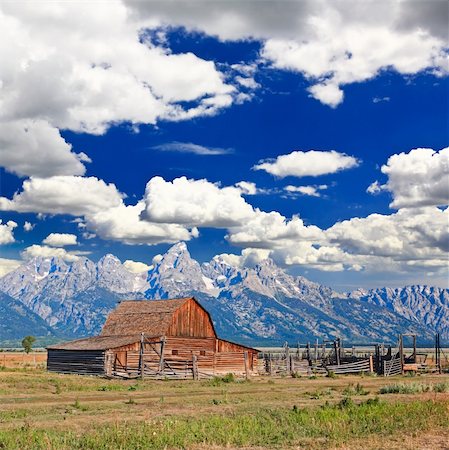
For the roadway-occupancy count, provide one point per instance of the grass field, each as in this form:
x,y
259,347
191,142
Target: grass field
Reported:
x,y
40,410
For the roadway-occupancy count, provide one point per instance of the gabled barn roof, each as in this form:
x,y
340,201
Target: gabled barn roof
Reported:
x,y
97,343
152,317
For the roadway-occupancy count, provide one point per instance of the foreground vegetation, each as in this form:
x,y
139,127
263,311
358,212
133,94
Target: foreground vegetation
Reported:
x,y
40,410
310,427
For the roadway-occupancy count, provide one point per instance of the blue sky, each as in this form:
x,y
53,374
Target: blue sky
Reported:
x,y
210,106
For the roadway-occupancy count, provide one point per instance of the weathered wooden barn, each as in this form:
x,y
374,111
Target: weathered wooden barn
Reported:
x,y
157,338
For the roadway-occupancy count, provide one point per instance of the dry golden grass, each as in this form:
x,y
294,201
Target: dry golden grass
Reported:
x,y
38,400
22,359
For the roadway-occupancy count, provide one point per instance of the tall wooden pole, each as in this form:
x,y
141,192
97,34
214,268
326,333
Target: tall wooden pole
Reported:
x,y
161,360
337,351
195,367
401,352
414,348
141,355
438,352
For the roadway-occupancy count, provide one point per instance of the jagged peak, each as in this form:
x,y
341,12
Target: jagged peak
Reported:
x,y
179,247
176,257
108,257
82,261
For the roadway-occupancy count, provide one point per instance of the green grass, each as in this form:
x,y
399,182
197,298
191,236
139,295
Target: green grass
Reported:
x,y
356,389
441,387
414,388
219,381
279,428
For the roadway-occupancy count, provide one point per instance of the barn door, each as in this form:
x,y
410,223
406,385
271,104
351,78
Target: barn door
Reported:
x,y
120,361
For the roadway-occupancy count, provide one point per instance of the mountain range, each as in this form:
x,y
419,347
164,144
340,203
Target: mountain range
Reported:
x,y
261,306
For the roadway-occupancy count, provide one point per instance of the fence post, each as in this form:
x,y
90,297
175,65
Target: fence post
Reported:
x,y
245,359
371,365
401,352
161,360
195,367
337,351
141,355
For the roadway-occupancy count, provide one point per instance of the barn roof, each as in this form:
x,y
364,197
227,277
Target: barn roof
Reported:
x,y
97,343
152,317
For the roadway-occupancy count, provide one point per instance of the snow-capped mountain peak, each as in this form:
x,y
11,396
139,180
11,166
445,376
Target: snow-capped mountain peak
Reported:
x,y
263,302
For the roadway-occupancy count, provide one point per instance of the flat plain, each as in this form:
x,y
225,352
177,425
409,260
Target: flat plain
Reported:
x,y
42,410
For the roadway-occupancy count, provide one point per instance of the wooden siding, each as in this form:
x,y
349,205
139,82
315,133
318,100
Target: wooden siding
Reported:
x,y
191,320
76,361
191,345
227,346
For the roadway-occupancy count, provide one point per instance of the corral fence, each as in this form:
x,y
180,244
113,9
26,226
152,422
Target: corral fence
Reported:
x,y
331,357
392,367
152,362
314,361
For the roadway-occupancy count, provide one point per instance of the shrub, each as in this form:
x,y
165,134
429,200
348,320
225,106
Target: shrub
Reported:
x,y
405,388
441,387
218,381
77,405
358,389
346,402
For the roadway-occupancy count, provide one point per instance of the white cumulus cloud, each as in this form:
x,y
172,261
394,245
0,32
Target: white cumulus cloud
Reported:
x,y
8,265
85,68
247,187
123,223
312,191
60,239
28,226
330,43
6,232
136,266
309,163
418,178
63,195
44,251
33,147
195,203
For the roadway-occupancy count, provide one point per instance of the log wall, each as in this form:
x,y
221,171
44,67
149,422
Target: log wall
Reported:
x,y
87,362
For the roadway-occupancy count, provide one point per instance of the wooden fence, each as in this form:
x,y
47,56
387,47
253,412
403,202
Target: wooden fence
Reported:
x,y
364,365
281,364
392,367
151,365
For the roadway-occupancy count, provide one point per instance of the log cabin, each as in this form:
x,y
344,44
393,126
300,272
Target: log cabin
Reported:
x,y
173,338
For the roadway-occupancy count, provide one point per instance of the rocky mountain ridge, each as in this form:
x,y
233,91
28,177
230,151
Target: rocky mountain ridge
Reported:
x,y
263,305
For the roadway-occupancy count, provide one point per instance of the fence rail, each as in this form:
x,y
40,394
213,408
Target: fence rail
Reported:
x,y
364,365
392,367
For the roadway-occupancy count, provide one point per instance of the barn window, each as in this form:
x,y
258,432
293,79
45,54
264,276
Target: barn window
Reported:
x,y
202,352
174,352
